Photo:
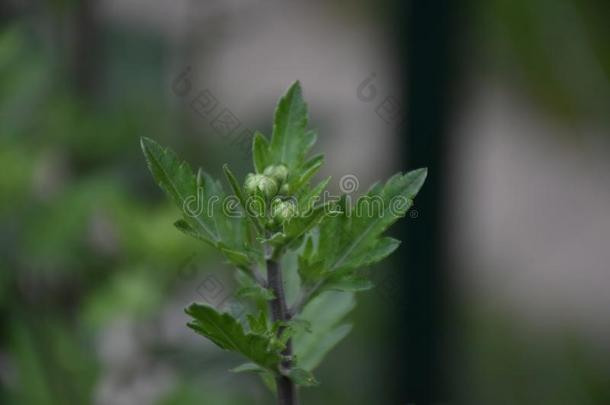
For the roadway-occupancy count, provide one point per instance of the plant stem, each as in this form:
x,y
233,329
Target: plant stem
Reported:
x,y
286,390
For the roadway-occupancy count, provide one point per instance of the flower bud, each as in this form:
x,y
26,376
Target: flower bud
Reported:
x,y
278,172
259,182
283,211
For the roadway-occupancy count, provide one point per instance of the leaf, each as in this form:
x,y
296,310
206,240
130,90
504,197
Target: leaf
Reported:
x,y
310,272
187,229
251,289
258,324
290,141
324,314
256,292
241,197
260,152
266,376
302,377
201,200
353,238
228,334
246,367
376,252
238,259
234,184
177,180
349,283
304,173
309,198
298,226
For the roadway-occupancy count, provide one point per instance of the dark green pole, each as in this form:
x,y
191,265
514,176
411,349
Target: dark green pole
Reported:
x,y
426,34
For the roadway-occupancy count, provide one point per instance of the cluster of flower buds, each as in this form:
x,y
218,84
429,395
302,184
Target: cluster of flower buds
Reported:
x,y
269,184
266,185
272,181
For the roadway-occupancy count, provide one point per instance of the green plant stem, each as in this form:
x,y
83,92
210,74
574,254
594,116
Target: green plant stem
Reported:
x,y
286,390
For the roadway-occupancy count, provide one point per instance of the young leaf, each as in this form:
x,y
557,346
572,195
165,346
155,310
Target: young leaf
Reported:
x,y
260,152
290,141
258,324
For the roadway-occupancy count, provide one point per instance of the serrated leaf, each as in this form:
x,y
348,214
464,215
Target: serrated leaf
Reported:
x,y
305,172
177,179
347,239
290,141
187,229
309,198
258,324
199,197
302,377
228,334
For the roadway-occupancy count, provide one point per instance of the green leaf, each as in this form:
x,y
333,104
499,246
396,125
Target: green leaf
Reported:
x,y
349,283
353,238
228,334
248,367
302,377
290,141
308,199
177,180
187,229
201,199
242,198
267,377
234,184
324,313
238,259
298,226
260,152
304,173
256,292
258,324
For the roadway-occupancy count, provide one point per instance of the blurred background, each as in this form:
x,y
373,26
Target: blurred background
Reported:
x,y
499,294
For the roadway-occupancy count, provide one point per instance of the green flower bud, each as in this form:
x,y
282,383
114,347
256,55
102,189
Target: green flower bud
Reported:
x,y
283,211
259,182
285,189
279,172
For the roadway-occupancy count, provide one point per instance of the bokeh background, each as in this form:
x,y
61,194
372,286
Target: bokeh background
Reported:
x,y
499,294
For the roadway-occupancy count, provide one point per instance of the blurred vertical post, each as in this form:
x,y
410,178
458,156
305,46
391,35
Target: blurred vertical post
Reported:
x,y
85,49
426,33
